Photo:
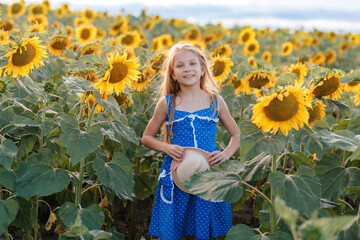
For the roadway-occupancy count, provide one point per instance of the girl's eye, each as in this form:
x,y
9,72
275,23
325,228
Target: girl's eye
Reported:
x,y
192,63
179,65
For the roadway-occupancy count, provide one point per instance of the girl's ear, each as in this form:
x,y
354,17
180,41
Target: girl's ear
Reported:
x,y
173,77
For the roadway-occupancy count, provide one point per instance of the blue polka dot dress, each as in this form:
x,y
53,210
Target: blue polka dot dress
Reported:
x,y
177,214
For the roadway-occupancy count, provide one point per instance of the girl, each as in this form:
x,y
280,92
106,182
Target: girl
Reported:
x,y
190,109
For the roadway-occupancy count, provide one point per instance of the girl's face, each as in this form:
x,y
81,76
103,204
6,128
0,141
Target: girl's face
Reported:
x,y
187,68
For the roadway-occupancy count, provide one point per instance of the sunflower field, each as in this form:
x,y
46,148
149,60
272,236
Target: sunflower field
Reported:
x,y
78,88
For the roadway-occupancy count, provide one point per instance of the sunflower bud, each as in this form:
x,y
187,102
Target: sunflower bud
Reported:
x,y
50,87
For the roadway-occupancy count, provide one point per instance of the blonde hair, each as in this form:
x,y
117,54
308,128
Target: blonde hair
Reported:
x,y
172,87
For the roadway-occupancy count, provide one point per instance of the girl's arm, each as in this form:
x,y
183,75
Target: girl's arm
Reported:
x,y
148,139
216,157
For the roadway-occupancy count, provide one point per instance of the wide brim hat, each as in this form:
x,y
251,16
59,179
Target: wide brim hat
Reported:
x,y
194,161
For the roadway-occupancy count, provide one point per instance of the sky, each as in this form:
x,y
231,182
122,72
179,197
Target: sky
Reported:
x,y
327,15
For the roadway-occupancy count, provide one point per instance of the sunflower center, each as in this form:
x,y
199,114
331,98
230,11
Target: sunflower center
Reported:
x,y
24,55
329,86
118,73
236,83
219,68
38,10
193,34
314,114
16,8
286,48
59,44
7,26
282,110
245,37
165,42
88,14
251,47
353,83
127,40
296,71
258,81
88,51
157,64
85,33
117,26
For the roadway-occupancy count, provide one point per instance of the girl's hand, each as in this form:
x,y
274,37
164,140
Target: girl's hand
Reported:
x,y
176,152
216,157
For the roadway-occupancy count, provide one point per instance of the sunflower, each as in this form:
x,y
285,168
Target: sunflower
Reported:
x,y
58,45
101,34
251,47
357,98
119,27
330,56
86,33
144,79
39,28
352,86
90,48
316,112
193,34
46,3
149,24
246,35
299,69
124,99
69,31
259,79
354,40
222,51
344,46
56,24
59,12
221,68
157,62
120,73
4,37
252,61
88,74
284,110
37,9
6,25
166,40
331,36
156,44
89,101
25,57
329,86
89,15
318,58
266,56
3,87
130,39
239,85
40,19
78,21
286,48
16,9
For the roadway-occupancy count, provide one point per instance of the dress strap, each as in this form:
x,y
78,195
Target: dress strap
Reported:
x,y
169,103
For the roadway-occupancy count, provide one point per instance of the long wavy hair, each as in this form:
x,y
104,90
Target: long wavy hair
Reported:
x,y
172,87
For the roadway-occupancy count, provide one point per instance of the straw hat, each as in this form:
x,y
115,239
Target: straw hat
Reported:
x,y
194,161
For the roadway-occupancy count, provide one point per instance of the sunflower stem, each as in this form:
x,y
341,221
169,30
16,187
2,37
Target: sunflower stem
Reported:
x,y
257,191
272,209
36,225
301,148
308,129
79,183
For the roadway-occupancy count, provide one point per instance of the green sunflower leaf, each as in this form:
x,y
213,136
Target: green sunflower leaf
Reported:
x,y
80,143
116,175
300,191
92,217
8,210
41,180
7,153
